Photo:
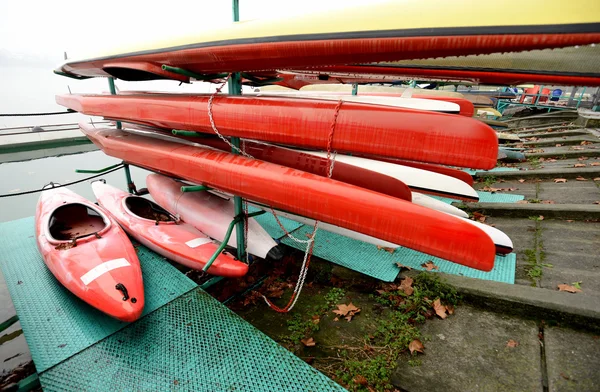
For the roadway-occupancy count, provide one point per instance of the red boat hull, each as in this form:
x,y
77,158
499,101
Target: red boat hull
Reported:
x,y
179,242
301,193
400,133
96,264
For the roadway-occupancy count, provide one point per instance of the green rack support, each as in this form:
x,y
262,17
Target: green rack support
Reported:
x,y
197,76
9,322
354,88
235,88
86,171
113,91
195,188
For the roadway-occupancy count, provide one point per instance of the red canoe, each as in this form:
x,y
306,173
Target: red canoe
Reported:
x,y
375,214
360,128
155,228
89,253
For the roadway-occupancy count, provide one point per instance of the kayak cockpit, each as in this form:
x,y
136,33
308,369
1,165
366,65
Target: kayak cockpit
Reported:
x,y
146,209
72,221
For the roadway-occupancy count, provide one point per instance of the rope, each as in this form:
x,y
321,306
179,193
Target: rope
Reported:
x,y
34,114
311,241
60,186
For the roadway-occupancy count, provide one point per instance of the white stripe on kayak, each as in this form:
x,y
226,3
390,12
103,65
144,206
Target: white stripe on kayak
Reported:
x,y
196,242
103,268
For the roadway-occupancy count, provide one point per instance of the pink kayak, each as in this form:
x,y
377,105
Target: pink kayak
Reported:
x,y
158,230
89,254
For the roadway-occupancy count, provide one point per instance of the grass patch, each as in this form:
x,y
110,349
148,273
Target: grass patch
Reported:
x,y
489,181
370,369
534,162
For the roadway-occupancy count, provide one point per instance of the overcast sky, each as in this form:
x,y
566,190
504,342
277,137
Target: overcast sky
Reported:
x,y
46,29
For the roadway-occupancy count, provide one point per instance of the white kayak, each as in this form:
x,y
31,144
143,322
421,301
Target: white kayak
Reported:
x,y
503,243
210,214
400,102
438,205
422,181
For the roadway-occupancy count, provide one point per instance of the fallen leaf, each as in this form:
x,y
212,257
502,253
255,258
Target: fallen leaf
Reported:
x,y
512,343
583,158
552,160
490,189
581,178
577,285
522,202
360,380
585,143
595,164
579,165
389,250
399,265
450,309
440,309
568,288
415,345
479,217
597,202
336,319
560,180
346,311
309,342
521,180
406,285
565,376
597,179
570,220
548,202
558,145
577,148
430,266
541,217
316,319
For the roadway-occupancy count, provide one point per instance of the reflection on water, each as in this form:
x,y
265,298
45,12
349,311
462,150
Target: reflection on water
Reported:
x,y
33,174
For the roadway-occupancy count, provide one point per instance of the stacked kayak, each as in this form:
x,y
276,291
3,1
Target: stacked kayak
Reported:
x,y
372,213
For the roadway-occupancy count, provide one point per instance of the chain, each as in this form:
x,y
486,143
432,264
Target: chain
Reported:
x,y
310,243
212,120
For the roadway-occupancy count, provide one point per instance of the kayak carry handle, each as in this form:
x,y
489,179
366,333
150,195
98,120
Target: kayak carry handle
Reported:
x,y
235,220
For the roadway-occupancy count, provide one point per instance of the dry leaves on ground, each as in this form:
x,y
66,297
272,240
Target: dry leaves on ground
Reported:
x,y
360,380
597,202
579,165
308,342
558,145
479,217
346,311
389,250
586,142
440,309
577,148
583,158
400,265
416,345
541,217
560,180
523,202
512,343
430,266
406,286
597,179
548,202
568,288
521,180
581,178
595,164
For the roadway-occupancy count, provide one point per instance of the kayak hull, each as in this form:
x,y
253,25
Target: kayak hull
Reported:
x,y
375,214
93,265
179,241
359,128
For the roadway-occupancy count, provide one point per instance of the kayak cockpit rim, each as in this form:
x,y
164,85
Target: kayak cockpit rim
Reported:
x,y
134,206
86,215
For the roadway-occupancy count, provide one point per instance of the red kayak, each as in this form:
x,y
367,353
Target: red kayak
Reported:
x,y
89,253
360,128
158,230
375,214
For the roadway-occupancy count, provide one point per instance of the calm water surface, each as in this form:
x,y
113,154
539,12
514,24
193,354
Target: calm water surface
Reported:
x,y
33,174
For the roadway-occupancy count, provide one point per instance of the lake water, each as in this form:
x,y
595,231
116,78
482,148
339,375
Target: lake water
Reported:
x,y
33,174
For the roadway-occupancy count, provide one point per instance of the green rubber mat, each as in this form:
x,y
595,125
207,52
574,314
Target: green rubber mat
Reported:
x,y
496,169
56,324
191,344
380,264
488,197
268,222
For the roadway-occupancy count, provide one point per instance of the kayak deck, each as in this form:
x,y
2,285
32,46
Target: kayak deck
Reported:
x,y
90,351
